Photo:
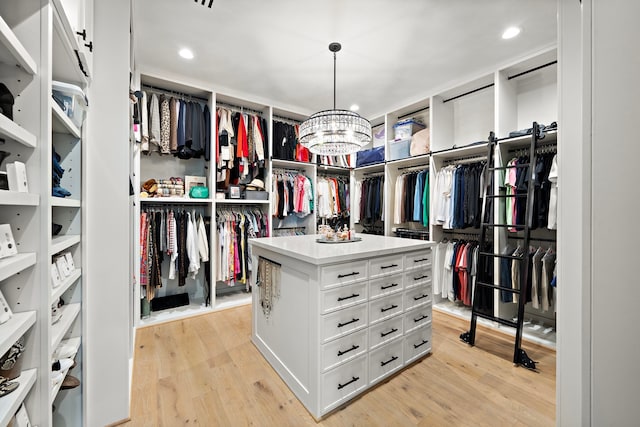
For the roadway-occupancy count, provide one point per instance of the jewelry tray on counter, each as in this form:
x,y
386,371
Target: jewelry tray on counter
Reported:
x,y
355,239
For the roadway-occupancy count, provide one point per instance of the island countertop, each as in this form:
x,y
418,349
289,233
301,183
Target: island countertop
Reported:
x,y
307,249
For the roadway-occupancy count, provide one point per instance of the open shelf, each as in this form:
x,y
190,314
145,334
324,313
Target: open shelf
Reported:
x,y
74,342
66,67
14,328
10,130
66,283
69,314
16,198
10,403
15,264
62,123
65,203
241,202
60,243
13,52
176,200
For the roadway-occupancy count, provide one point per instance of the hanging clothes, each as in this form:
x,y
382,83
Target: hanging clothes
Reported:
x,y
458,196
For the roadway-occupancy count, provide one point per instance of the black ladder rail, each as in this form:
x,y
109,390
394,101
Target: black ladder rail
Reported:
x,y
520,356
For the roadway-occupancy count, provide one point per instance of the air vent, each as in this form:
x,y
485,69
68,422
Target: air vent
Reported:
x,y
204,1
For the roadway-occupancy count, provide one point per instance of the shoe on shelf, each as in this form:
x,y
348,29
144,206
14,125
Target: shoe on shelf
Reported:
x,y
63,364
56,378
7,387
70,382
64,351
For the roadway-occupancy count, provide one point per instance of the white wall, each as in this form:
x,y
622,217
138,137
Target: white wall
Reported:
x,y
107,219
598,375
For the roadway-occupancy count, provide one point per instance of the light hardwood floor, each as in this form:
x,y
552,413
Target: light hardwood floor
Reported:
x,y
204,371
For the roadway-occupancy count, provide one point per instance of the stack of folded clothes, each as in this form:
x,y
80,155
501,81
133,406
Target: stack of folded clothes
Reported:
x,y
57,171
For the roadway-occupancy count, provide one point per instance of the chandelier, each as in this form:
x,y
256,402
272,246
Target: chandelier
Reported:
x,y
335,132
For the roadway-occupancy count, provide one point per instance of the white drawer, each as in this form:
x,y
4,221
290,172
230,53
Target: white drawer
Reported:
x,y
417,296
416,260
417,278
342,322
385,331
344,349
417,343
384,308
385,360
417,318
385,285
343,382
343,297
385,266
343,274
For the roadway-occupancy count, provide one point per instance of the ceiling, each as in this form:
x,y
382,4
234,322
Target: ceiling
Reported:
x,y
393,53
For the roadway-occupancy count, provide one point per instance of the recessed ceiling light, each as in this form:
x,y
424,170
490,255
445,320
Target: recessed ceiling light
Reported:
x,y
186,53
510,33
354,107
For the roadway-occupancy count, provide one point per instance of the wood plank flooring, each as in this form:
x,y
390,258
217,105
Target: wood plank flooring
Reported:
x,y
204,371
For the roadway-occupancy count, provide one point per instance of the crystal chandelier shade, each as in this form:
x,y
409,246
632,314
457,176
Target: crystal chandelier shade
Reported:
x,y
335,132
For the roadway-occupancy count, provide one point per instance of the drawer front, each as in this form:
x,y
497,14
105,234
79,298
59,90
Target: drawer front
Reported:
x,y
417,260
385,266
384,308
342,322
417,296
343,297
385,360
343,382
385,331
417,318
417,343
385,285
343,349
417,278
343,274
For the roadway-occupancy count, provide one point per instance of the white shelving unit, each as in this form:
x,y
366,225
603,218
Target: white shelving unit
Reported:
x,y
9,404
18,199
15,264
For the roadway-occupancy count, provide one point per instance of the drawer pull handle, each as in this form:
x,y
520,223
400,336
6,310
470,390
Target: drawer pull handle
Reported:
x,y
420,297
345,298
383,267
355,347
391,307
421,277
424,316
388,286
353,380
355,273
389,361
421,259
340,325
384,334
421,344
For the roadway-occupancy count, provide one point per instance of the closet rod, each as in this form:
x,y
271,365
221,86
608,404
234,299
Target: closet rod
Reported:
x,y
153,203
410,231
414,167
286,170
373,174
286,120
469,93
419,110
172,92
541,239
532,70
237,108
551,147
462,160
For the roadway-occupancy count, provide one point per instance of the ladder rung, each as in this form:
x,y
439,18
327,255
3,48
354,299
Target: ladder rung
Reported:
x,y
501,168
502,225
505,196
490,285
501,256
496,319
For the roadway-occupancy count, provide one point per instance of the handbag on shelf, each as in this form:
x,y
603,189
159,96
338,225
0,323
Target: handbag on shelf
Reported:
x,y
199,192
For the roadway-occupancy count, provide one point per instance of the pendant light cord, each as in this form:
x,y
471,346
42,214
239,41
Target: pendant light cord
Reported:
x,y
334,80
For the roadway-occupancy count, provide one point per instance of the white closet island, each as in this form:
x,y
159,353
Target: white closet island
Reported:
x,y
342,316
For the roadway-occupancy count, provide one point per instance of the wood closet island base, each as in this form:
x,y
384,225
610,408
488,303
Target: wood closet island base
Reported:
x,y
333,320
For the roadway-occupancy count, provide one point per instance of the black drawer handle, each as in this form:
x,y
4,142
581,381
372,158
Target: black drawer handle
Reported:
x,y
384,334
355,273
391,307
388,286
345,298
424,316
420,297
353,380
421,277
421,344
355,347
421,259
389,361
388,266
340,325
